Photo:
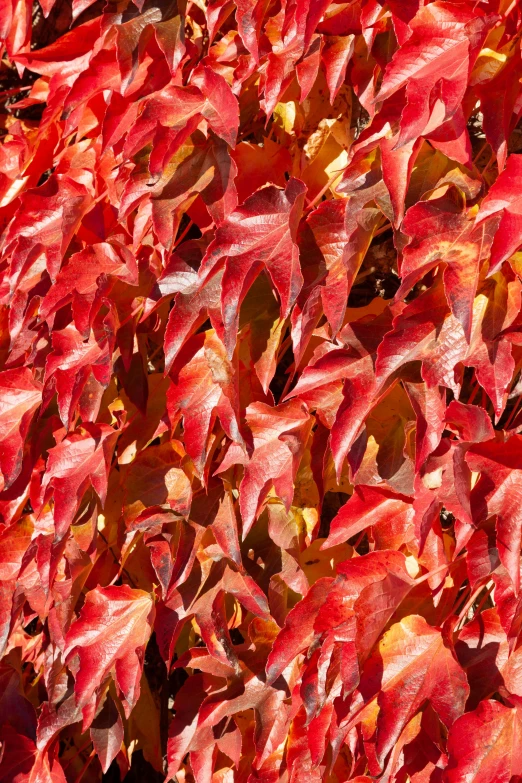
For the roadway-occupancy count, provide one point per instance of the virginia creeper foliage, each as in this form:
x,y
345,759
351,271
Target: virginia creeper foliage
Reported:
x,y
260,385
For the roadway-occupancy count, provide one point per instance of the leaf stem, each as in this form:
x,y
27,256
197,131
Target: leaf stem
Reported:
x,y
447,566
469,603
79,752
321,193
184,233
116,560
84,768
513,413
481,150
384,228
131,315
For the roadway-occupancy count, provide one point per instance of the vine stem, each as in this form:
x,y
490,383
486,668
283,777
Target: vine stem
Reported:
x,y
466,593
445,567
84,768
357,543
481,150
485,598
116,560
131,315
464,611
321,193
184,233
468,604
513,413
291,373
14,90
79,751
474,393
382,229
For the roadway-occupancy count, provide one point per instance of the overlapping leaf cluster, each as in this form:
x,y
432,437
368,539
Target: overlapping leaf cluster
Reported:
x,y
260,434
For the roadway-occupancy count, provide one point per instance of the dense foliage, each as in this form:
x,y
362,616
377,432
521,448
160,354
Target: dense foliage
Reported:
x,y
260,384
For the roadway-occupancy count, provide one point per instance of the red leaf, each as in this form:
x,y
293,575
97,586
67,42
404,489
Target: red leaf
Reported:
x,y
298,632
429,407
69,367
497,492
86,279
471,422
412,664
343,240
79,461
486,745
20,397
441,232
336,54
280,436
63,201
503,200
370,506
18,754
110,635
482,649
261,233
107,733
204,388
441,50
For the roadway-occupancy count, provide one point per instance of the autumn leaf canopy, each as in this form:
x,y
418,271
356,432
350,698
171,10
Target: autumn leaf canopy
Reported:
x,y
260,391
